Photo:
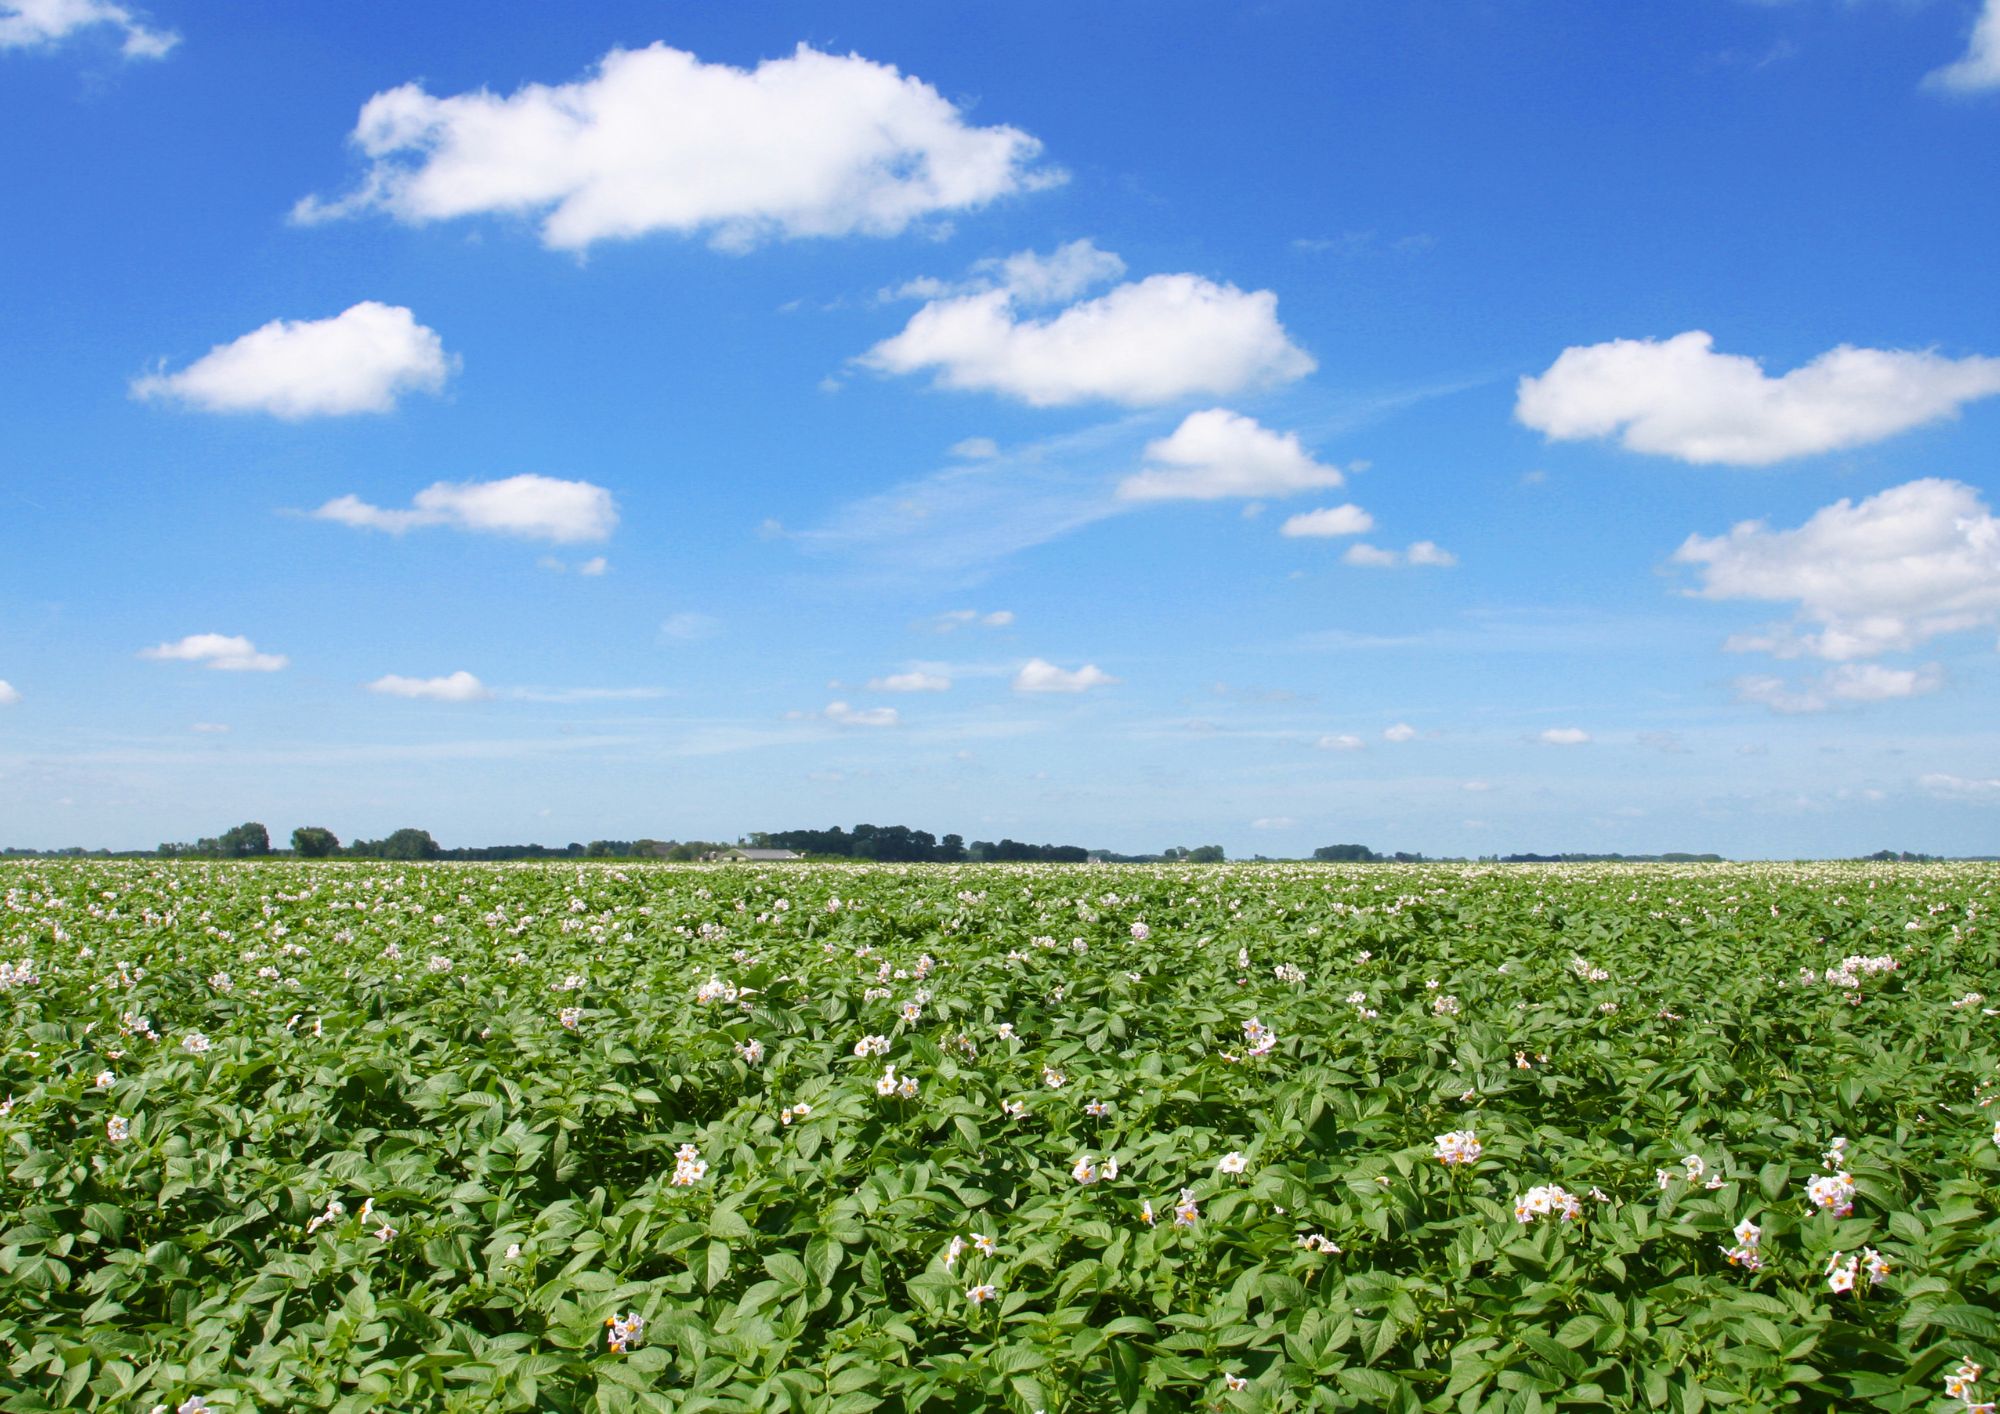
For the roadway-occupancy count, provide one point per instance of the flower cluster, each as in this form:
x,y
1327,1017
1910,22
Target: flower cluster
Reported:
x,y
1086,1172
335,1210
623,1332
1831,1193
872,1046
1231,1162
1961,1385
1259,1037
1745,1253
751,1051
117,1129
1840,1276
1461,1146
802,1110
715,990
888,1084
1186,1213
1444,1006
1319,1243
1855,966
690,1167
1548,1198
569,1016
1696,1167
1588,970
195,1044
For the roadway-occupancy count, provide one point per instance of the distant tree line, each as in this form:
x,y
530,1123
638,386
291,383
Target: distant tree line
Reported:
x,y
899,844
252,841
1608,859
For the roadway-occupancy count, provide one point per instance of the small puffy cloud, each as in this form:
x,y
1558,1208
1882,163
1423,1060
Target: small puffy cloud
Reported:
x,y
594,567
1342,741
1153,341
1217,453
527,506
917,681
1327,522
1401,731
1422,554
846,716
9,694
34,24
1038,675
1881,575
1979,68
460,686
1476,787
1849,682
976,448
1273,822
656,140
1028,277
1949,787
1679,398
229,653
1564,736
954,619
360,360
688,627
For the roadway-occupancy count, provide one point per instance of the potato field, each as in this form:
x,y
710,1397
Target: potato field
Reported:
x,y
1061,1138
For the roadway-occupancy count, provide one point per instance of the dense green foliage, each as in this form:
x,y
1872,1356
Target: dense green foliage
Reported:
x,y
376,1136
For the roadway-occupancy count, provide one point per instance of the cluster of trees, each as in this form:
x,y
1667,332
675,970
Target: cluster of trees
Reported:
x,y
246,841
1892,856
1362,854
899,844
252,841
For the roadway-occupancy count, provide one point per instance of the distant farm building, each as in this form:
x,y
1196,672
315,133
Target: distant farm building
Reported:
x,y
752,856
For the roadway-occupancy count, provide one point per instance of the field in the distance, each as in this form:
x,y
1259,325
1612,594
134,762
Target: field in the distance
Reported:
x,y
1044,1137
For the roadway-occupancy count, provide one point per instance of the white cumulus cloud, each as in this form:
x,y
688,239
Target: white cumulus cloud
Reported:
x,y
9,694
531,507
1217,453
1422,553
229,653
1038,675
31,24
953,619
360,360
1329,521
460,686
1565,736
1341,741
1161,338
1880,575
656,140
846,716
1979,68
916,681
1679,398
1849,682
1401,731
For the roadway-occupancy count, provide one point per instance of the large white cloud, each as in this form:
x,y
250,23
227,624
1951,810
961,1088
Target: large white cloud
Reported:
x,y
1946,786
9,694
225,652
1849,682
1679,398
460,686
656,140
1039,675
29,24
531,507
1980,66
1877,576
360,360
1161,338
1217,453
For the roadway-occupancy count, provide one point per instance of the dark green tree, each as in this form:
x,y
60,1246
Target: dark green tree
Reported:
x,y
314,842
244,842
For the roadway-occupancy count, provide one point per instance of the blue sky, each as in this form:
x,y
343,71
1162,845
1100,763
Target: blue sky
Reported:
x,y
1458,427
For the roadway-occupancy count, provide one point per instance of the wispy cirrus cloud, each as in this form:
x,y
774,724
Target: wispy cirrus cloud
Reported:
x,y
40,24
